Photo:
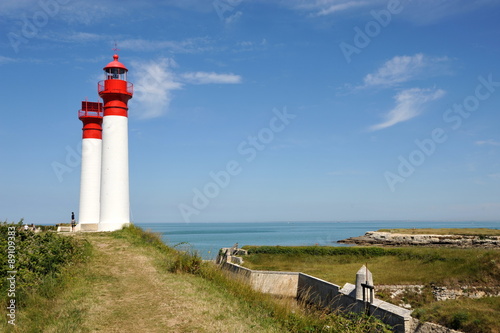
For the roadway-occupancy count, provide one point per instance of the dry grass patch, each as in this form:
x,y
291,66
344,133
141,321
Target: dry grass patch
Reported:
x,y
133,295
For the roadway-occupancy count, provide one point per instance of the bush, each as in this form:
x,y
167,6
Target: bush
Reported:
x,y
38,257
466,315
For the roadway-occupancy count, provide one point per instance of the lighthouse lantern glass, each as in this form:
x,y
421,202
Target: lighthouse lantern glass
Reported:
x,y
116,74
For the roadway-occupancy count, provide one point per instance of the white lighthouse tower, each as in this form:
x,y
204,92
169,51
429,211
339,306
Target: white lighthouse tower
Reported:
x,y
90,181
114,196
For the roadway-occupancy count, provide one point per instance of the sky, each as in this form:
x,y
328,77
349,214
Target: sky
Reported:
x,y
260,110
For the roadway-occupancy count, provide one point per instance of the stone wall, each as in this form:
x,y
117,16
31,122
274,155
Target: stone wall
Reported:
x,y
419,327
441,293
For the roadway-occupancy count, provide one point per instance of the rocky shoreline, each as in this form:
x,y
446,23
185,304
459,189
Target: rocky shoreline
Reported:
x,y
396,239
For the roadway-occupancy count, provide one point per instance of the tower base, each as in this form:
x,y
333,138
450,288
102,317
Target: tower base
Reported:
x,y
113,226
87,227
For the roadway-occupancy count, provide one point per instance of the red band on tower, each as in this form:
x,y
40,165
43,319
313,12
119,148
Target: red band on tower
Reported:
x,y
91,116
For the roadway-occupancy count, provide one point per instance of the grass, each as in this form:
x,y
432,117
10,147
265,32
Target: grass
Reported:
x,y
266,311
443,266
468,315
132,282
450,267
446,231
51,303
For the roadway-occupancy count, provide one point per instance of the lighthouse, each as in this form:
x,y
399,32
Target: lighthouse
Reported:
x,y
115,92
90,182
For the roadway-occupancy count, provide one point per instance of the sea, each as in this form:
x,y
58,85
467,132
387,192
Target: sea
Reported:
x,y
207,238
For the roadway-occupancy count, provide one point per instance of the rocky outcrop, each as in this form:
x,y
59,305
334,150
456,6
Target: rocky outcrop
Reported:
x,y
440,293
394,239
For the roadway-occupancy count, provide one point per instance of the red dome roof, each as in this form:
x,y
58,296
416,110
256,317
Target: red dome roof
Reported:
x,y
115,64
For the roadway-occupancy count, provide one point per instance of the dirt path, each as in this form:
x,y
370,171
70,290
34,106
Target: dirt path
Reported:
x,y
129,294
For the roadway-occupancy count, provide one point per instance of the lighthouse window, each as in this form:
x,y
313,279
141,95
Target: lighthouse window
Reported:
x,y
116,74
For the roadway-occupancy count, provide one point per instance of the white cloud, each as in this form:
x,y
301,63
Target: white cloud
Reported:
x,y
405,68
409,104
74,37
154,82
210,77
191,45
488,142
431,11
338,7
421,11
4,60
233,18
327,7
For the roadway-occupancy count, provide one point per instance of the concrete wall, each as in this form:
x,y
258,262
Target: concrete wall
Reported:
x,y
322,293
276,283
237,272
317,291
398,317
329,295
269,282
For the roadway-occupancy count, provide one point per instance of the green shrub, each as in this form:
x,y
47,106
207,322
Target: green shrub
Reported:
x,y
466,315
38,257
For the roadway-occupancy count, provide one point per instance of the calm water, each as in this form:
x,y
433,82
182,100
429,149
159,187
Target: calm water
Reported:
x,y
208,238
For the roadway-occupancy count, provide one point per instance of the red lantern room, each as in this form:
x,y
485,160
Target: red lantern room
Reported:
x,y
115,90
115,70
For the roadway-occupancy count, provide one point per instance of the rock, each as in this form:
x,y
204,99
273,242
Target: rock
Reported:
x,y
394,239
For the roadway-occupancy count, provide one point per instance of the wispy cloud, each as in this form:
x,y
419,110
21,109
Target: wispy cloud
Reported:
x,y
5,60
430,11
154,85
210,77
489,142
421,11
338,7
74,37
190,45
494,176
405,68
409,104
317,8
156,81
345,173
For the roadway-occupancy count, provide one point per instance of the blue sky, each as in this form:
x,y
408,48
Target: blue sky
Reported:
x,y
253,110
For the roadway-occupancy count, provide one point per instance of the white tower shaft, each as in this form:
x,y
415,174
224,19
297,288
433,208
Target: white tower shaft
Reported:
x,y
115,200
90,182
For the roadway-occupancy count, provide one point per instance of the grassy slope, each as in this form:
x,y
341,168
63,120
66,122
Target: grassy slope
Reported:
x,y
124,290
126,285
